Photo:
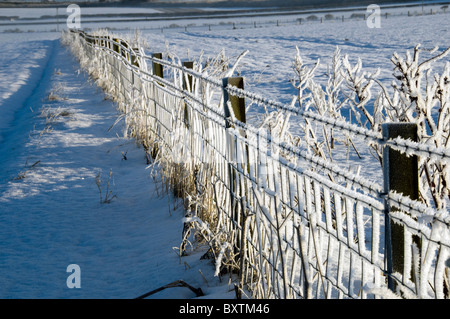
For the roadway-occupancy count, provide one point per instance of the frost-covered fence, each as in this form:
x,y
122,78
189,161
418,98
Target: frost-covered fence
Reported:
x,y
290,224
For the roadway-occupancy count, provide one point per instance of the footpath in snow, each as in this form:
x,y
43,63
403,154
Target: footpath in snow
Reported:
x,y
59,162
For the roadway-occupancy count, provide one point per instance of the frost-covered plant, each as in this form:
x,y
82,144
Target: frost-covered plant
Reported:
x,y
365,112
415,96
306,90
56,93
327,100
181,173
108,194
202,203
419,97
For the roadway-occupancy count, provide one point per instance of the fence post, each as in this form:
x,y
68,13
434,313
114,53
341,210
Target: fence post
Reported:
x,y
237,103
401,174
238,108
116,47
158,68
187,86
158,71
134,58
125,53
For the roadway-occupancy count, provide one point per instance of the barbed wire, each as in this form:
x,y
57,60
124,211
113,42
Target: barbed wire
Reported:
x,y
408,147
414,215
405,146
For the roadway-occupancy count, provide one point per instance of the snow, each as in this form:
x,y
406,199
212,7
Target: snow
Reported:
x,y
54,152
51,216
15,86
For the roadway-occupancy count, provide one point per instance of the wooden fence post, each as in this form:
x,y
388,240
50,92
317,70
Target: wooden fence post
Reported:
x,y
134,59
116,47
188,85
125,53
237,103
401,174
158,68
158,71
238,109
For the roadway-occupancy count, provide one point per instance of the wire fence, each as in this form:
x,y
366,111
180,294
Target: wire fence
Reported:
x,y
288,223
213,22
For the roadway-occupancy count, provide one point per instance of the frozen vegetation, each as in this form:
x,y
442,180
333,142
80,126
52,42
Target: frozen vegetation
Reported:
x,y
75,189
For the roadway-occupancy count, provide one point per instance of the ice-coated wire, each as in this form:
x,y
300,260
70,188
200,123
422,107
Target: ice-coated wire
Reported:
x,y
217,83
417,217
363,183
405,146
418,209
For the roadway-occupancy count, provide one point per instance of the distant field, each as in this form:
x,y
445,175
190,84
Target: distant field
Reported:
x,y
163,14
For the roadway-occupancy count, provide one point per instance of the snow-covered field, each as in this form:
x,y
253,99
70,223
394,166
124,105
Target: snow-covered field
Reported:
x,y
57,154
54,147
51,215
268,66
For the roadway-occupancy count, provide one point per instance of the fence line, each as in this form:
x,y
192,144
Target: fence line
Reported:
x,y
288,230
405,146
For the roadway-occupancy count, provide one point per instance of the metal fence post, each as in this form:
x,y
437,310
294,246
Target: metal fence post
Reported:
x,y
401,174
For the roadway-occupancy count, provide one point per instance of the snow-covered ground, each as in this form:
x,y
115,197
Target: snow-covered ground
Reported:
x,y
57,154
55,146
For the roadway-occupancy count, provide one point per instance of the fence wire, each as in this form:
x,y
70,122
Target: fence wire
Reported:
x,y
288,230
